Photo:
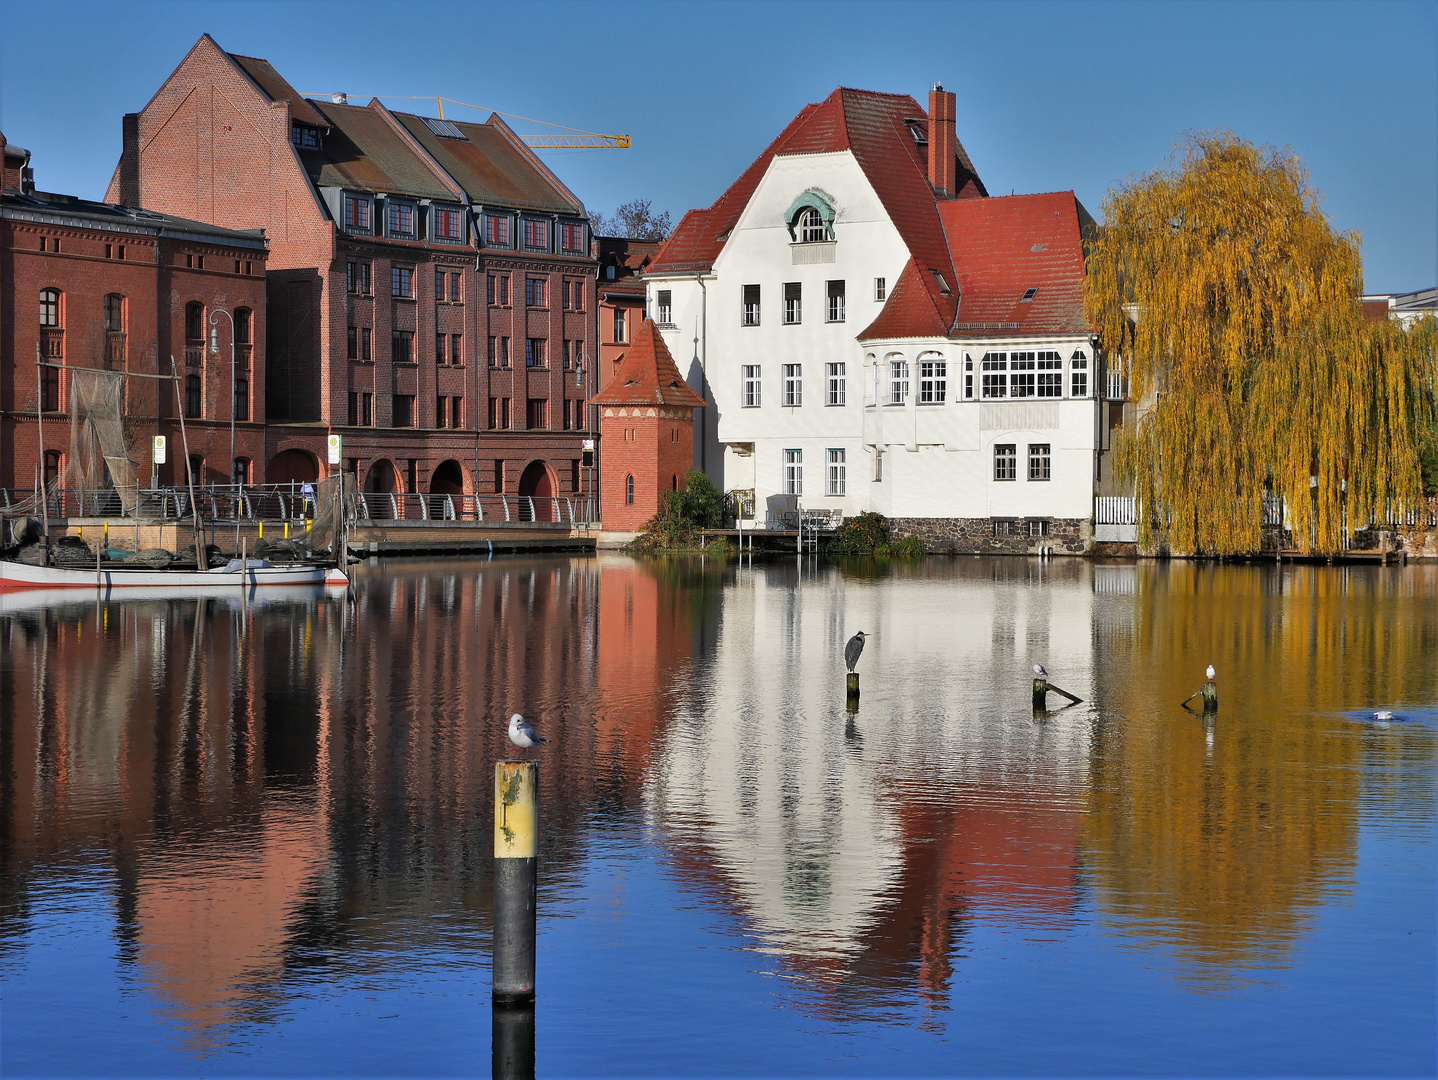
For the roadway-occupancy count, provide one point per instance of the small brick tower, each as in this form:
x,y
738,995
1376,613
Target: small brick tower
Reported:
x,y
646,431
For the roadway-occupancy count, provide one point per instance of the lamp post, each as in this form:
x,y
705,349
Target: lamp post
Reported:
x,y
215,351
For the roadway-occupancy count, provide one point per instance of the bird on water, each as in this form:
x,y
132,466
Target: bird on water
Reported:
x,y
522,735
1383,715
854,648
1041,671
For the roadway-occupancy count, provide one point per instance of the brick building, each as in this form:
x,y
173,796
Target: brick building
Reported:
x,y
621,297
647,427
430,286
93,285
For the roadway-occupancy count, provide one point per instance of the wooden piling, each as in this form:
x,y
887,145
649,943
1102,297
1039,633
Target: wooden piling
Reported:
x,y
1210,695
1041,689
516,838
851,686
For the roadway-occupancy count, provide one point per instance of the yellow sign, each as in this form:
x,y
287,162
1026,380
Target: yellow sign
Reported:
x,y
159,449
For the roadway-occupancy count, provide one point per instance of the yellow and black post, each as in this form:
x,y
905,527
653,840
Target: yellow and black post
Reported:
x,y
516,839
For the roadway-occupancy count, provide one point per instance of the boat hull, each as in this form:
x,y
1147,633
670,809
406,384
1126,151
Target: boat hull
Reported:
x,y
16,576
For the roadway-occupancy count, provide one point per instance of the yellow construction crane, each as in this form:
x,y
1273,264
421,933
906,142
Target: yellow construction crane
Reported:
x,y
578,139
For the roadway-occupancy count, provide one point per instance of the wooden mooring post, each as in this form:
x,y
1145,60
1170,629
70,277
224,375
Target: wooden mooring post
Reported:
x,y
516,846
851,686
1208,691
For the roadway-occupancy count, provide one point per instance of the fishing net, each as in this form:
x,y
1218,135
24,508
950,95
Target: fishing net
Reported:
x,y
336,501
99,451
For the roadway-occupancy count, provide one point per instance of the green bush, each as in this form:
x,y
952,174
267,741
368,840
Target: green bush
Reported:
x,y
871,534
682,515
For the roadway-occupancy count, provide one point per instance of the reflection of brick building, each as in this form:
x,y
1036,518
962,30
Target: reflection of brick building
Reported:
x,y
94,285
647,422
431,293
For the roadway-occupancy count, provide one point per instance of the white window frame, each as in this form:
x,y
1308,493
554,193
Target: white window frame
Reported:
x,y
968,377
810,228
837,379
793,385
793,305
834,308
838,473
898,381
753,386
1041,461
1023,374
1006,454
995,370
793,472
881,290
751,311
664,301
933,380
1050,374
1078,374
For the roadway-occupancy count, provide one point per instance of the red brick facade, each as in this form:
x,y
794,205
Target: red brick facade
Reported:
x,y
223,141
118,287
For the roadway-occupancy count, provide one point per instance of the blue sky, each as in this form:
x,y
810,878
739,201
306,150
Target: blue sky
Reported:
x,y
1051,96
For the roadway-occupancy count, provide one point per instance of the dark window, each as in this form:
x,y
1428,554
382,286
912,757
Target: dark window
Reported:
x,y
404,410
535,353
401,282
629,489
401,219
793,303
365,353
242,326
356,213
666,307
402,347
195,321
456,290
456,412
354,409
1051,375
357,278
537,413
536,234
496,230
536,292
353,342
456,348
573,236
751,305
242,399
114,313
835,311
367,415
192,396
619,334
439,411
242,470
498,290
446,225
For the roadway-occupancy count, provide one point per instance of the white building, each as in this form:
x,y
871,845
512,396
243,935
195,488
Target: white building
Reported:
x,y
876,333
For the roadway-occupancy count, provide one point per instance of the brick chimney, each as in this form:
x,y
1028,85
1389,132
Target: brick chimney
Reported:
x,y
130,160
12,166
943,143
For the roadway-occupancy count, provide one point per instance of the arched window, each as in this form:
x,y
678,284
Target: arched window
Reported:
x,y
192,396
50,307
114,330
243,319
195,321
674,482
811,226
629,490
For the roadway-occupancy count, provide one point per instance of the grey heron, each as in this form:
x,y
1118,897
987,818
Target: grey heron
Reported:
x,y
521,734
853,649
1041,671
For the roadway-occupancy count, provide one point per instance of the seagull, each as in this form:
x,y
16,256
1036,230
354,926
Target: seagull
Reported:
x,y
1209,673
854,648
521,734
1041,671
1383,714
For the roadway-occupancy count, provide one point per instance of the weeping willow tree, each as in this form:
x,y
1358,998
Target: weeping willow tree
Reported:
x,y
1236,307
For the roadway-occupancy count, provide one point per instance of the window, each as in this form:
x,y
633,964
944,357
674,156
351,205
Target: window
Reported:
x,y
666,307
242,399
357,278
200,262
356,213
811,227
619,334
572,237
354,409
1021,374
836,382
1004,528
439,283
933,381
446,225
193,398
441,348
751,386
537,413
497,290
402,347
404,410
1078,375
534,353
194,321
50,399
496,230
968,377
401,220
456,412
536,292
352,342
1039,461
751,305
793,472
456,289
609,272
456,348
120,254
242,326
1039,527
440,408
1051,375
536,234
838,473
367,413
793,385
898,381
578,303
115,314
995,372
793,302
49,307
401,282
306,138
629,490
1006,462
499,352
364,344
189,262
836,301
880,289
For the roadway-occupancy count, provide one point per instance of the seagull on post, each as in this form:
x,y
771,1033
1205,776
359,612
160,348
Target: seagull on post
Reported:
x,y
1041,671
853,649
522,735
1209,673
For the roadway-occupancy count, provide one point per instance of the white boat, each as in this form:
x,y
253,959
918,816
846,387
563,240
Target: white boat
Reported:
x,y
254,573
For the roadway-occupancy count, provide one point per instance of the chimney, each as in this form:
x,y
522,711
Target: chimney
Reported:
x,y
943,143
13,162
130,160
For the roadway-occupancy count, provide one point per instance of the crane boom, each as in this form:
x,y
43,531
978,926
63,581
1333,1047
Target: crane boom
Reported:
x,y
576,142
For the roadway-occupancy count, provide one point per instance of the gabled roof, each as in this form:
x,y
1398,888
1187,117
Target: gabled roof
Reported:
x,y
363,151
647,375
877,129
911,310
277,89
1004,247
629,257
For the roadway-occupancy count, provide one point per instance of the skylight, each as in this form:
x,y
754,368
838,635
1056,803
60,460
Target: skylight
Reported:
x,y
1029,294
445,129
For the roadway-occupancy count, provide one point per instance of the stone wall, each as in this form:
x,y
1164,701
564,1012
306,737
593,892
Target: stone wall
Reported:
x,y
964,536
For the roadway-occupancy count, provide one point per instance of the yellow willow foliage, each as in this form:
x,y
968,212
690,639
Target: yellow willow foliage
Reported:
x,y
1237,309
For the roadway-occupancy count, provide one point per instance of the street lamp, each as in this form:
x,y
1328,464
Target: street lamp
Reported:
x,y
215,351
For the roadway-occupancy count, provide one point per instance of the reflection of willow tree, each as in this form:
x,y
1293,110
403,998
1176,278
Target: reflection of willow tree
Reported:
x,y
1222,851
1253,365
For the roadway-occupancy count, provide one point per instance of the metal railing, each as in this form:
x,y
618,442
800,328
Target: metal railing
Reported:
x,y
1115,510
398,506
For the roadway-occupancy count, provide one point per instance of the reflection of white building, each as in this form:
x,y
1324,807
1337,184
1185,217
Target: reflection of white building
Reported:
x,y
814,822
878,334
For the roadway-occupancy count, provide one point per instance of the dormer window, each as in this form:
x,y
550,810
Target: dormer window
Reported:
x,y
357,213
811,227
1029,294
305,137
401,220
447,226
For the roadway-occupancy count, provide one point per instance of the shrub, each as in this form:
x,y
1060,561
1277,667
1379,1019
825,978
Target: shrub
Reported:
x,y
872,534
682,514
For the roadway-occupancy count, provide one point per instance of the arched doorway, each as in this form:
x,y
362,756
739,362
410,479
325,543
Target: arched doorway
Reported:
x,y
447,479
381,478
536,483
293,466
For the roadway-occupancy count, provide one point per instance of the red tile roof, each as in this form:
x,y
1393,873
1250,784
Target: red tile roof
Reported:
x,y
876,129
276,88
647,375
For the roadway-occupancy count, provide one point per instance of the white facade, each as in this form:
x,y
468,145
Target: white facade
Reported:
x,y
798,403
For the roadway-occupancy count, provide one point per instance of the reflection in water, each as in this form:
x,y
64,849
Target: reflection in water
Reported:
x,y
284,792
